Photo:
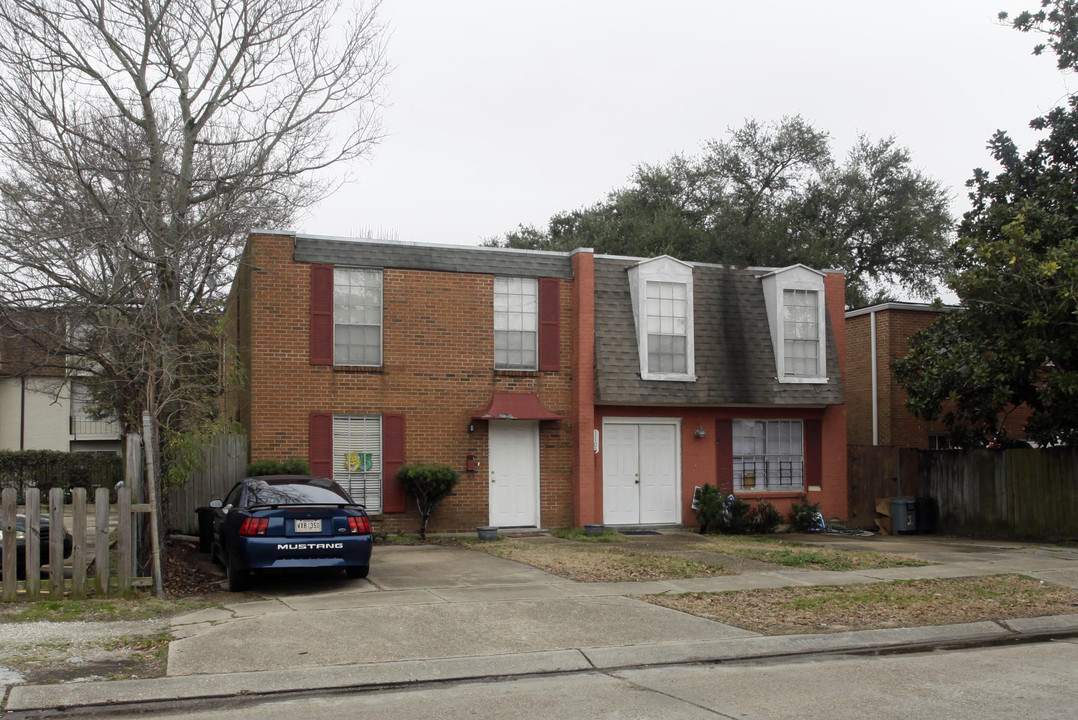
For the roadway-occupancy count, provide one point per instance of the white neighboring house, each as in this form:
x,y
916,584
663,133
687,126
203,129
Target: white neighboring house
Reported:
x,y
46,410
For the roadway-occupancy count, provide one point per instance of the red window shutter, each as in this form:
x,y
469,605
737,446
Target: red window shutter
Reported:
x,y
321,314
813,439
724,454
549,308
321,450
393,496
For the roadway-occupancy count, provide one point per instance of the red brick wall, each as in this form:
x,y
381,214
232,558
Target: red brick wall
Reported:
x,y
897,426
438,360
708,459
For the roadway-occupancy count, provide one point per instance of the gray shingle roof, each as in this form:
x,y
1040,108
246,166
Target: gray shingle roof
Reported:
x,y
735,360
445,258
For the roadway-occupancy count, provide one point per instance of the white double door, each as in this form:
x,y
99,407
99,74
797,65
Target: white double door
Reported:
x,y
641,472
513,473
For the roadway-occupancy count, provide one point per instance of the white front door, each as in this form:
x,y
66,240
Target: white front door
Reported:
x,y
621,475
514,473
658,474
641,472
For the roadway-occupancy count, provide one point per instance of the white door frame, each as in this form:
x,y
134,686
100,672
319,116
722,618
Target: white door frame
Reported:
x,y
538,471
676,422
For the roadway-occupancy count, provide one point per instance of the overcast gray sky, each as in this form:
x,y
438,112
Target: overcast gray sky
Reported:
x,y
503,112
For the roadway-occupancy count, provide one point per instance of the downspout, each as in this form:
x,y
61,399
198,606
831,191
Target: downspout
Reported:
x,y
22,413
875,381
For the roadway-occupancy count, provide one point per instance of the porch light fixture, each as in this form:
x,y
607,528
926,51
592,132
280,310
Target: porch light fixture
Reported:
x,y
700,432
471,427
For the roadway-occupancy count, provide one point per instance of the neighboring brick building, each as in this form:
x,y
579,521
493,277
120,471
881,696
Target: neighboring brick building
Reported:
x,y
517,369
880,417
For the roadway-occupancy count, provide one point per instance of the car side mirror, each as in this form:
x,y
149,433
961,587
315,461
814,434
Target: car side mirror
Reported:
x,y
216,503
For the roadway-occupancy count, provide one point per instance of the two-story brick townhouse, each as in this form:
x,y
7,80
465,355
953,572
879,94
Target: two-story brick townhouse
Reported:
x,y
720,375
517,369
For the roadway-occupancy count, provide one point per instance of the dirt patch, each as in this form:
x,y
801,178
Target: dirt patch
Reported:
x,y
185,572
786,611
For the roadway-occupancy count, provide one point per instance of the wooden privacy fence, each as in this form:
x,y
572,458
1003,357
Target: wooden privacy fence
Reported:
x,y
224,461
95,529
1023,492
1020,492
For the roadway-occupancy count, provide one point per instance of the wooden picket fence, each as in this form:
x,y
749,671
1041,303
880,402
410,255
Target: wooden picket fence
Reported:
x,y
113,528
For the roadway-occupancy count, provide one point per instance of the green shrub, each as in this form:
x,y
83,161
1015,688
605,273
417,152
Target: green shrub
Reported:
x,y
291,466
764,517
806,517
710,507
46,469
720,513
429,484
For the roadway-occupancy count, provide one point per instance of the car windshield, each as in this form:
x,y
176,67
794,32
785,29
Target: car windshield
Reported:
x,y
296,493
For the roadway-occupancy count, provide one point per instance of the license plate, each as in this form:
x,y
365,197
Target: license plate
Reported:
x,y
308,526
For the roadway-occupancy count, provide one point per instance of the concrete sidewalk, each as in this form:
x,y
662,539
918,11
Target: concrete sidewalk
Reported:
x,y
438,613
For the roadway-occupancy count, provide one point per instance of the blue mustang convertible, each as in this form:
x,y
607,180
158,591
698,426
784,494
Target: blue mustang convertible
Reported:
x,y
279,522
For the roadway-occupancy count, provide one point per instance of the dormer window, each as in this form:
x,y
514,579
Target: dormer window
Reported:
x,y
801,333
661,291
794,297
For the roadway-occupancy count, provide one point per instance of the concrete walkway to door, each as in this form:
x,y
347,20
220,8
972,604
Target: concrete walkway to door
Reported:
x,y
432,613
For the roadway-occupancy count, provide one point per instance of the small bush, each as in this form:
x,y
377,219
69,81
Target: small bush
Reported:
x,y
719,513
292,466
764,517
710,507
429,484
806,517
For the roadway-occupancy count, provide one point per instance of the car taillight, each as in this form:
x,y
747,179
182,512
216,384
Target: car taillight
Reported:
x,y
254,526
359,525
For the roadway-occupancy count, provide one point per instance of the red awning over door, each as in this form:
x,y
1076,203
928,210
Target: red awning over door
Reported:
x,y
516,406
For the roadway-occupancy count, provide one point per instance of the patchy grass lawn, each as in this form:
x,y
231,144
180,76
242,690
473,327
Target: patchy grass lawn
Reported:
x,y
596,562
140,606
614,557
906,603
791,553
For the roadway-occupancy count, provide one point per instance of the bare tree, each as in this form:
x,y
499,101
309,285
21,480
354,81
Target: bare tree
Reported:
x,y
139,141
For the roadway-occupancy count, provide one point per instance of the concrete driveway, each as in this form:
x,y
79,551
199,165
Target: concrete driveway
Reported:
x,y
427,602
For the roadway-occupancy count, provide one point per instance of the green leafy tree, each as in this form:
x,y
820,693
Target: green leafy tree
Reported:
x,y
429,484
1016,274
772,194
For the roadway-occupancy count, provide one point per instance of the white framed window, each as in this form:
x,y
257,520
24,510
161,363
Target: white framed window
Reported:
x,y
662,295
667,326
801,333
769,456
357,316
357,458
796,314
516,323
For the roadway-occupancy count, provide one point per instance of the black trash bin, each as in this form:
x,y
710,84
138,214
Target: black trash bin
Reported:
x,y
903,516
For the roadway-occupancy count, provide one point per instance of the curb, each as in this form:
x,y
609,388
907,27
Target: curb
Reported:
x,y
143,695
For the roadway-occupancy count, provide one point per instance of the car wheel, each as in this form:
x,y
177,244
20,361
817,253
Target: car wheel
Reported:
x,y
357,571
238,580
